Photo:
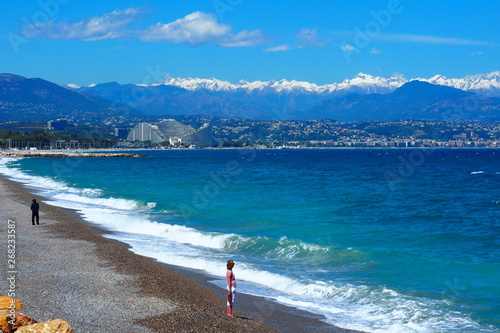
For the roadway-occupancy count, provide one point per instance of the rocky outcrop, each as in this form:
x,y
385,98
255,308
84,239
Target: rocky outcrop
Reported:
x,y
11,320
23,320
55,155
5,321
7,302
50,326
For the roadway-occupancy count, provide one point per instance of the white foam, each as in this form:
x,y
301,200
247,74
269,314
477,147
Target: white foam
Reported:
x,y
41,184
83,199
361,307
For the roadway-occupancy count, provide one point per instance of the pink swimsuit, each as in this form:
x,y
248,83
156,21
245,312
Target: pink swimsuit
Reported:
x,y
230,275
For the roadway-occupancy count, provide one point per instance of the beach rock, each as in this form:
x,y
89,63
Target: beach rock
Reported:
x,y
7,302
50,326
5,320
24,320
10,320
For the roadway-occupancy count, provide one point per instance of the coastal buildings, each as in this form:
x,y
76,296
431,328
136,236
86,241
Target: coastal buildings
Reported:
x,y
204,131
146,132
172,131
58,124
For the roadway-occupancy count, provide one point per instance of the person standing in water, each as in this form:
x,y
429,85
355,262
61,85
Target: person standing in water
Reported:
x,y
231,287
34,212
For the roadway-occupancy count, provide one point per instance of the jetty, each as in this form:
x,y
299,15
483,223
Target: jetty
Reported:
x,y
65,154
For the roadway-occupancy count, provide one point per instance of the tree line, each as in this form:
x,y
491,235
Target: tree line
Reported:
x,y
42,140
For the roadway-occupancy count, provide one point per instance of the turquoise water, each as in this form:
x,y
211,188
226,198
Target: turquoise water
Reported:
x,y
378,240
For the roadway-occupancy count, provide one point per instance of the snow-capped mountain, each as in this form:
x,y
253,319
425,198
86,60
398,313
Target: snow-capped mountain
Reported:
x,y
368,84
363,83
196,83
487,84
72,86
414,100
218,85
283,99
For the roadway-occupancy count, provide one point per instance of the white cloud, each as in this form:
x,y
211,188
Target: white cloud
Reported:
x,y
194,29
109,26
476,53
347,48
432,39
200,28
375,51
279,48
309,38
245,38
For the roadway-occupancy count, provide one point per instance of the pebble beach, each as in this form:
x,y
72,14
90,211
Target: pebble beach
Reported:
x,y
66,269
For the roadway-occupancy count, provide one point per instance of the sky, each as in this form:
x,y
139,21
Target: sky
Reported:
x,y
322,41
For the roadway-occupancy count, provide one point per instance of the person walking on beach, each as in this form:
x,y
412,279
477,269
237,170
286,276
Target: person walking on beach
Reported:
x,y
231,287
34,212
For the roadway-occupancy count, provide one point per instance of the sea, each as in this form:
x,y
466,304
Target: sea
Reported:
x,y
381,240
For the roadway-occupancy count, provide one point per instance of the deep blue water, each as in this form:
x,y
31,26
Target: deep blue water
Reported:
x,y
378,240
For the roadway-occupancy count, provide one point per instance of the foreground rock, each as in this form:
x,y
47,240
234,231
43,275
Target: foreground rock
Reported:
x,y
7,302
51,326
11,320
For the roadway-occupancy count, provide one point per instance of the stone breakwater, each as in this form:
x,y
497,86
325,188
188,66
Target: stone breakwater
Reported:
x,y
56,155
11,320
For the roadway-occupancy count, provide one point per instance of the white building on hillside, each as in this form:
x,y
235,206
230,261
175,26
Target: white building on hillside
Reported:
x,y
146,132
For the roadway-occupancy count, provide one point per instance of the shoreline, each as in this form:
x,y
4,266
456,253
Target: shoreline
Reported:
x,y
118,152
164,297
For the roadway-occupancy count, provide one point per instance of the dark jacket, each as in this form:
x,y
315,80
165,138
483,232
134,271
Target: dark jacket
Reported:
x,y
35,206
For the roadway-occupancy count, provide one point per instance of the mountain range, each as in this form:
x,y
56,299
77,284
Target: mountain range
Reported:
x,y
414,100
486,84
298,100
363,97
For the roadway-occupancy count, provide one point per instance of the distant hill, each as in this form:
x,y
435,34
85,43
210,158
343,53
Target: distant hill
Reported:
x,y
414,100
34,99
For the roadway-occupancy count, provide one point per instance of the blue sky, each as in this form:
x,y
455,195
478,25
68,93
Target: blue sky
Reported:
x,y
83,42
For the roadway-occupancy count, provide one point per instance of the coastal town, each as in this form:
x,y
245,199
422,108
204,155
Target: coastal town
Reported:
x,y
213,132
403,134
